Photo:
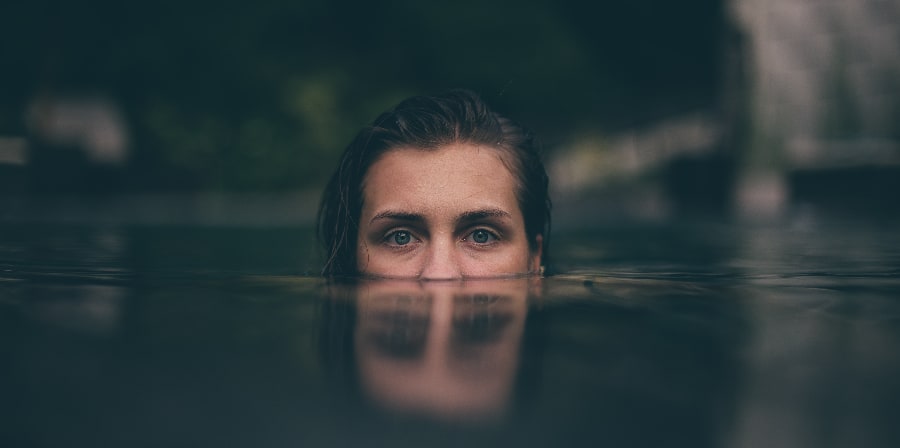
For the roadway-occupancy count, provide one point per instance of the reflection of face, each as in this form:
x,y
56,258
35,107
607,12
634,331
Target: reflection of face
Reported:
x,y
442,214
446,349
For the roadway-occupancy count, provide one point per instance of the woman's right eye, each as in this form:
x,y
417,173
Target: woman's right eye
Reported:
x,y
399,238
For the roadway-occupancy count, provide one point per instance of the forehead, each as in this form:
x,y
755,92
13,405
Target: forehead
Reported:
x,y
452,175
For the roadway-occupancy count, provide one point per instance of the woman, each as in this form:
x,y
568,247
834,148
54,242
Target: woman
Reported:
x,y
438,188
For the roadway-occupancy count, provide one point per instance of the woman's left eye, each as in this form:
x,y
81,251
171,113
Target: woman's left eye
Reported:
x,y
482,236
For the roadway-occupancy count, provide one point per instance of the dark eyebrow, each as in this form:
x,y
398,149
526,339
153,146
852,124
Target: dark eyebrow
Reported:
x,y
477,215
398,216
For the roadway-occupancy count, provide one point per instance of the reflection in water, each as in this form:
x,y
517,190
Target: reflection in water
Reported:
x,y
50,295
448,350
585,358
94,309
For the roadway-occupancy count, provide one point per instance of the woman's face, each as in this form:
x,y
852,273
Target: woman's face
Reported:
x,y
442,214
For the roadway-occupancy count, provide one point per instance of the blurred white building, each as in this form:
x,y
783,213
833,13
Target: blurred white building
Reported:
x,y
812,84
822,89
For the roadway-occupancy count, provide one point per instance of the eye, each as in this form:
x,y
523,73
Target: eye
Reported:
x,y
482,236
399,238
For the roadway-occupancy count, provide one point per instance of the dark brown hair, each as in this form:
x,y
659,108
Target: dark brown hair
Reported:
x,y
427,123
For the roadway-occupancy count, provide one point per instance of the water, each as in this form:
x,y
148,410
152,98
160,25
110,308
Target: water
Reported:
x,y
680,333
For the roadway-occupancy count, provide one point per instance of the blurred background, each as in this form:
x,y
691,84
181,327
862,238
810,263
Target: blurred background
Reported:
x,y
235,111
161,162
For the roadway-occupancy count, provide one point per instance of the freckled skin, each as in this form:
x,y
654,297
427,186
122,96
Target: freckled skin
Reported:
x,y
441,214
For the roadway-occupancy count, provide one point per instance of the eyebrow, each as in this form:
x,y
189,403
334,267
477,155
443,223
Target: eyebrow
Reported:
x,y
398,216
468,216
477,215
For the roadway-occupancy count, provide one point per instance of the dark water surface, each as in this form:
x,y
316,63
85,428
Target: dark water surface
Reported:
x,y
677,334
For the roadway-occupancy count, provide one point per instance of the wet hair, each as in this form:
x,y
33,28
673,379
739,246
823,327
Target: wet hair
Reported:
x,y
430,123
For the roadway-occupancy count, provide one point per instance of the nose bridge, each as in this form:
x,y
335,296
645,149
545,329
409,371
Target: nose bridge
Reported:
x,y
441,261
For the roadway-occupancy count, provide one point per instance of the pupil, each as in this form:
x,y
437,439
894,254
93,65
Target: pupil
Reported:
x,y
401,238
480,236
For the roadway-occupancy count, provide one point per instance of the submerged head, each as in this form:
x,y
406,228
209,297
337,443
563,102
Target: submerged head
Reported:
x,y
439,187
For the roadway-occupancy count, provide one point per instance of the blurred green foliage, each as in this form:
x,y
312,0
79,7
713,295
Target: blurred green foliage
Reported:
x,y
263,95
